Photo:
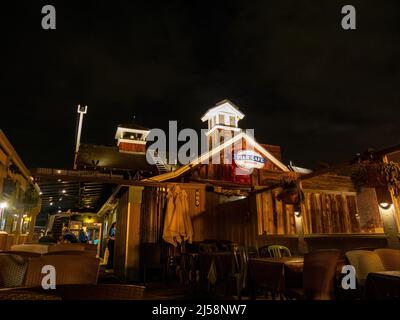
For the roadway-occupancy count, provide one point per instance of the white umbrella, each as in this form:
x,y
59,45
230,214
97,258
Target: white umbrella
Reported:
x,y
177,223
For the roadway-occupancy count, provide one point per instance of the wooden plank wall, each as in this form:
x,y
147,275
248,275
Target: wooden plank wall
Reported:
x,y
273,216
328,213
227,218
329,182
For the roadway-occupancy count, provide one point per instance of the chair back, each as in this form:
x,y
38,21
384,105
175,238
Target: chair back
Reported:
x,y
252,252
12,270
277,251
66,247
70,269
319,274
24,254
368,262
390,258
353,258
263,252
208,247
37,248
241,259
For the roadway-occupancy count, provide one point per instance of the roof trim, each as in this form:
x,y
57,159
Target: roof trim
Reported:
x,y
180,171
221,104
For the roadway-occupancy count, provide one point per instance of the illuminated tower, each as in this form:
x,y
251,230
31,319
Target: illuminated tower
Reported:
x,y
223,122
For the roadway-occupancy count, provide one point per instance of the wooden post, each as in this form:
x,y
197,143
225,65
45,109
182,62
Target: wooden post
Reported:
x,y
390,219
302,245
132,241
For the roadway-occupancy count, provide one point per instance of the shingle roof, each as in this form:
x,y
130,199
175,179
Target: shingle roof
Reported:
x,y
110,157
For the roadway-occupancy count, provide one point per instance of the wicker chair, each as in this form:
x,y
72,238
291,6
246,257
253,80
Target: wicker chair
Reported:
x,y
390,258
12,270
70,269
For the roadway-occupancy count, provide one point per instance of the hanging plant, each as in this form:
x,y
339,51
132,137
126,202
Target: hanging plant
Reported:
x,y
377,174
391,172
291,193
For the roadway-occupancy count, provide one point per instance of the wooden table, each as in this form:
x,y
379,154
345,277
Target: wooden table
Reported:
x,y
276,274
383,285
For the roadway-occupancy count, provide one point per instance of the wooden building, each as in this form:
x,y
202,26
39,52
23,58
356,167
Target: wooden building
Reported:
x,y
238,190
19,197
243,198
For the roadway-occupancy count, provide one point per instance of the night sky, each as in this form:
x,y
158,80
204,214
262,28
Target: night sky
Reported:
x,y
321,92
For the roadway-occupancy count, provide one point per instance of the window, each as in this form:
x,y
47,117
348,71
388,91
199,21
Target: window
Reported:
x,y
332,213
221,119
232,121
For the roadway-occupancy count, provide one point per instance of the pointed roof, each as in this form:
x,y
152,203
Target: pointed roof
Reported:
x,y
223,106
200,160
134,126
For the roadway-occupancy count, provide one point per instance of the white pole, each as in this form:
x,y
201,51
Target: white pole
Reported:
x,y
81,111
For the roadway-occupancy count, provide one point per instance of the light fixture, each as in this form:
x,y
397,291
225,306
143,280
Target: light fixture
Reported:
x,y
51,203
3,205
64,191
297,210
24,216
385,205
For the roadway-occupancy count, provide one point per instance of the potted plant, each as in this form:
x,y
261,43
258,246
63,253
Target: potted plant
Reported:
x,y
377,174
290,193
391,172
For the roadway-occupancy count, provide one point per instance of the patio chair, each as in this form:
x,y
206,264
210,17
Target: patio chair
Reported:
x,y
12,270
263,252
208,247
318,276
70,269
390,258
353,258
368,263
241,258
277,251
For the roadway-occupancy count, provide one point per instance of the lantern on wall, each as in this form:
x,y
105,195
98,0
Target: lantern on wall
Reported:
x,y
384,197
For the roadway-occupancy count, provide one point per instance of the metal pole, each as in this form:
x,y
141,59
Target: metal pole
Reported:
x,y
81,111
